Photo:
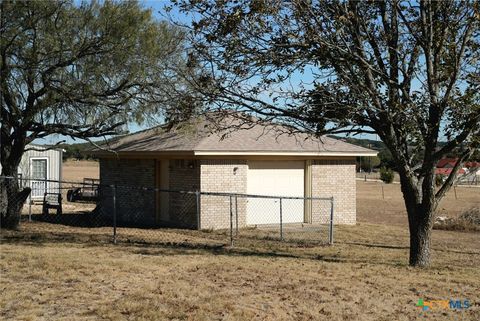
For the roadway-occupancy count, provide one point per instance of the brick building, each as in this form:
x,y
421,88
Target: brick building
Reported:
x,y
254,160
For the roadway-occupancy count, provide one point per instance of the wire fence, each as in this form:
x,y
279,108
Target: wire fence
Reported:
x,y
138,214
471,178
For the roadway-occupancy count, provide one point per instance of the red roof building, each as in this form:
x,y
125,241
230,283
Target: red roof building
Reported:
x,y
447,171
472,165
447,163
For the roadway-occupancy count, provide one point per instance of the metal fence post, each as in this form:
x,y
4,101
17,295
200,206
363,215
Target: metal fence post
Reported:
x,y
231,222
197,197
30,206
114,191
330,232
281,220
236,215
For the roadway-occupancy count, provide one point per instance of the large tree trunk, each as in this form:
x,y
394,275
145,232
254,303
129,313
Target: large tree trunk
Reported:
x,y
12,200
12,197
420,206
420,233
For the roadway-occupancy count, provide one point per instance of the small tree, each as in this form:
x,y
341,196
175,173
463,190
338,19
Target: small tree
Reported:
x,y
439,179
386,159
407,71
369,163
80,71
387,175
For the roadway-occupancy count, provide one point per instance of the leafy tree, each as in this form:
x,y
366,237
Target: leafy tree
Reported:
x,y
82,71
386,159
407,71
368,163
439,179
75,151
387,175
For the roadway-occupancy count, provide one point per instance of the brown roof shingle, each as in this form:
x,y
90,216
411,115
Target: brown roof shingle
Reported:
x,y
197,137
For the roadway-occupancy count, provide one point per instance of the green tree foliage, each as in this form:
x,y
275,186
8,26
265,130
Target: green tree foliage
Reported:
x,y
387,175
367,164
77,151
439,179
82,71
407,71
386,159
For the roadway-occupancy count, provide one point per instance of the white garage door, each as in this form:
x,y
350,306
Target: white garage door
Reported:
x,y
279,178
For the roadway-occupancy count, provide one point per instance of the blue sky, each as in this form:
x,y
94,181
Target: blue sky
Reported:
x,y
157,7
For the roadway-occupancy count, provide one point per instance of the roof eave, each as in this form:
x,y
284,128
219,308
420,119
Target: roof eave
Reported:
x,y
109,154
286,153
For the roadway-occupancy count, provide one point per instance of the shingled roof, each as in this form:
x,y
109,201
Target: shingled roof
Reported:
x,y
200,137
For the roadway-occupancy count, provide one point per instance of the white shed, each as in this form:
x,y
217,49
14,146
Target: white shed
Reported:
x,y
38,167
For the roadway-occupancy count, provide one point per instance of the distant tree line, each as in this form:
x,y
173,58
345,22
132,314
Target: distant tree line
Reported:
x,y
384,157
77,151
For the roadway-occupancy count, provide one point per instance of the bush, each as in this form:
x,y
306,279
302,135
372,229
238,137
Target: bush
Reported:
x,y
439,179
469,220
472,216
386,175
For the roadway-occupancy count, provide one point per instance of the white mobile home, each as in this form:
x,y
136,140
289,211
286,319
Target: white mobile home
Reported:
x,y
43,164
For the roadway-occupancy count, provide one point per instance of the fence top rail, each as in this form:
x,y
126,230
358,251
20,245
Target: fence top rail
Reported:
x,y
241,195
48,180
153,189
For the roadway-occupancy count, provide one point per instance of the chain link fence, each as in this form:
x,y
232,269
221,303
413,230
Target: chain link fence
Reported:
x,y
470,178
135,214
291,219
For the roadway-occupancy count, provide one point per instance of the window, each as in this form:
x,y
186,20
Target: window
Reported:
x,y
39,168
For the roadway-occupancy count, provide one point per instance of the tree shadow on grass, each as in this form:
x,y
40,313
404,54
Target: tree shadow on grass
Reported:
x,y
225,250
397,247
42,238
76,219
201,243
381,246
159,248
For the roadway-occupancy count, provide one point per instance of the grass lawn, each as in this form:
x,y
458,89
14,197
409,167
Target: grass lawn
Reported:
x,y
73,274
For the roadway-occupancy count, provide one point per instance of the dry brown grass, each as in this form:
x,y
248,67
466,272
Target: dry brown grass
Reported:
x,y
372,208
66,273
53,272
76,171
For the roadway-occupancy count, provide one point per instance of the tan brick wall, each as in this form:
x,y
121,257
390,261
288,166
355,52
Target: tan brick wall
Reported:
x,y
225,176
184,175
134,206
329,178
138,207
334,178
